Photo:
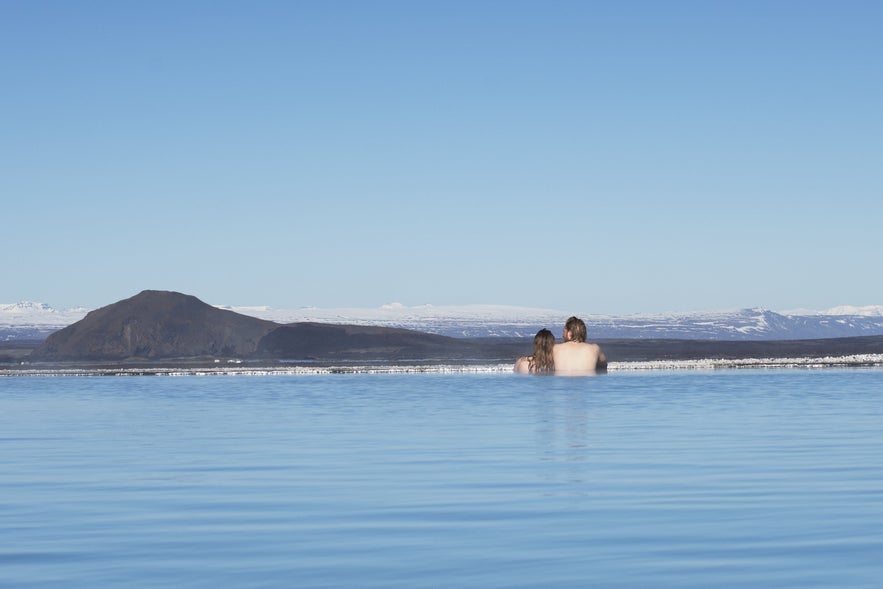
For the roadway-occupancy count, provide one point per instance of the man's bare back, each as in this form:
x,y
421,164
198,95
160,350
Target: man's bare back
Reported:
x,y
578,358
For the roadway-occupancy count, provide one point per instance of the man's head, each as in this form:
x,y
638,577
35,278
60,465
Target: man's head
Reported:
x,y
575,330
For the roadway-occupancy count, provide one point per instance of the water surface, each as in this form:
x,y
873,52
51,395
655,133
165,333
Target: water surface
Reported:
x,y
761,478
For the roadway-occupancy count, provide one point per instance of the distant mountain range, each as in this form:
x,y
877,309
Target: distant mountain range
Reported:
x,y
36,321
161,326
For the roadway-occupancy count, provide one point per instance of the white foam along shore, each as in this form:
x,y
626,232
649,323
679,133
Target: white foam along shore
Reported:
x,y
717,364
856,360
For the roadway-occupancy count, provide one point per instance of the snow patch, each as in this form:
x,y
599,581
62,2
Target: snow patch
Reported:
x,y
866,311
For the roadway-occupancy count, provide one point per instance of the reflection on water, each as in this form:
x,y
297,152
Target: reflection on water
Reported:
x,y
562,435
755,478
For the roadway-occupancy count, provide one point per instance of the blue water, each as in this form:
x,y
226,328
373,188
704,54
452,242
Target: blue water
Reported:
x,y
659,479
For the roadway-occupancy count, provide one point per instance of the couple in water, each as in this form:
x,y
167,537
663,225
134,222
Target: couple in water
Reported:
x,y
572,357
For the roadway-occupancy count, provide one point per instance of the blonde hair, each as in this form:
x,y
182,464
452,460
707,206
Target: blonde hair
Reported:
x,y
542,360
577,329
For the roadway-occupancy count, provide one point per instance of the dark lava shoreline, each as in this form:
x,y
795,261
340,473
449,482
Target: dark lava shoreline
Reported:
x,y
642,350
496,354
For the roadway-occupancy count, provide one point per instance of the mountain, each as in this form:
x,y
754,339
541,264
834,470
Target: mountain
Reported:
x,y
463,321
298,341
866,311
36,321
28,320
154,325
170,326
740,325
501,321
159,325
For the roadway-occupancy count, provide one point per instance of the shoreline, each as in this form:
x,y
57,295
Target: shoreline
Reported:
x,y
428,367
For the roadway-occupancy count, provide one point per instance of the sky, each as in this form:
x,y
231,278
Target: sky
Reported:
x,y
602,157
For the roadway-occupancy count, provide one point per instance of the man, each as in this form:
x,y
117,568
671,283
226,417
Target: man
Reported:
x,y
575,356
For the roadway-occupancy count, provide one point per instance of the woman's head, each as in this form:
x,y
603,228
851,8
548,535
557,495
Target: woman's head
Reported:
x,y
543,342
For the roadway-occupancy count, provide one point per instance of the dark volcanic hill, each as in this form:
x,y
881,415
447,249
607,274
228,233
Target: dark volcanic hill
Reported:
x,y
298,341
160,325
154,325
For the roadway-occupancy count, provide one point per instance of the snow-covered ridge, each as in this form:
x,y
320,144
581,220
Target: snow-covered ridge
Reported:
x,y
27,307
509,321
459,321
28,320
37,320
37,312
867,311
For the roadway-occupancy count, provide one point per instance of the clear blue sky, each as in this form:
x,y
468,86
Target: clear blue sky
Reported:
x,y
602,157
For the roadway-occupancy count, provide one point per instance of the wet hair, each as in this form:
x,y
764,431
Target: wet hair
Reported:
x,y
577,329
542,360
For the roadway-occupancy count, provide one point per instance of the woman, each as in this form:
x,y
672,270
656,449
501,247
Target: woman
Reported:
x,y
541,361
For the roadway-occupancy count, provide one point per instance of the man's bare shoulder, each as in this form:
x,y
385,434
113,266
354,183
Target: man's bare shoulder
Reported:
x,y
576,357
576,347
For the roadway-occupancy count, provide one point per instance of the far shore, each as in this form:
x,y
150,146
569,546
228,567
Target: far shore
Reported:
x,y
238,368
497,355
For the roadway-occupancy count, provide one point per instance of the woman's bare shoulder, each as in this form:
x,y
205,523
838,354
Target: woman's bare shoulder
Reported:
x,y
522,365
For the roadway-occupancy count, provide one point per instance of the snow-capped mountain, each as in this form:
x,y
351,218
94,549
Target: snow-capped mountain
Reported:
x,y
27,320
742,324
503,321
456,321
867,311
36,320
